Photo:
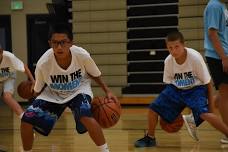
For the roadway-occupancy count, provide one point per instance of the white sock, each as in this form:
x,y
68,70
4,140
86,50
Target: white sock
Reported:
x,y
104,148
21,115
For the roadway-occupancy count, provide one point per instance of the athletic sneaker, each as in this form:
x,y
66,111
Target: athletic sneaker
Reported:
x,y
146,141
224,140
191,126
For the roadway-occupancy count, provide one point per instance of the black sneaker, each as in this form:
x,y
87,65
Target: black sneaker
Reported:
x,y
146,141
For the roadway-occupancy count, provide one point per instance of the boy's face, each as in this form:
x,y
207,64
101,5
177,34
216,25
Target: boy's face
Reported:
x,y
176,48
61,45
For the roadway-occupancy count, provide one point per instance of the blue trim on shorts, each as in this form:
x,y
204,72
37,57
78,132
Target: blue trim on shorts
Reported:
x,y
171,102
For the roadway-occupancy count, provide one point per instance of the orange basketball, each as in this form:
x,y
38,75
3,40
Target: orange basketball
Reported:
x,y
24,89
106,112
172,127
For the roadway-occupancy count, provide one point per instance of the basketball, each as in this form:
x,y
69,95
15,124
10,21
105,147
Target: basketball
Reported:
x,y
24,89
173,127
106,112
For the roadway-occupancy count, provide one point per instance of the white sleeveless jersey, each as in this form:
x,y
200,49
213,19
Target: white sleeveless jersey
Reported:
x,y
9,65
63,85
192,72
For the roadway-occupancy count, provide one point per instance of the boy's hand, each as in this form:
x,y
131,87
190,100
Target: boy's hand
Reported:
x,y
111,96
32,87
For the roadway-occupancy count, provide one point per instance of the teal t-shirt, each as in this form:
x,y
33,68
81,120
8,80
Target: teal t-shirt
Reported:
x,y
215,16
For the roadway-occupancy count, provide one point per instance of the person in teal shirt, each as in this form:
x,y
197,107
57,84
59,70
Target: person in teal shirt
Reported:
x,y
216,52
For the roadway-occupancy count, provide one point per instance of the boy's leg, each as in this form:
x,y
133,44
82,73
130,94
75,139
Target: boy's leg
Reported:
x,y
216,122
200,110
27,135
223,102
149,139
40,116
94,130
152,123
167,105
220,79
81,108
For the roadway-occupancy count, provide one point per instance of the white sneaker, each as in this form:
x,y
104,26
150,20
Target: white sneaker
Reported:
x,y
224,140
191,126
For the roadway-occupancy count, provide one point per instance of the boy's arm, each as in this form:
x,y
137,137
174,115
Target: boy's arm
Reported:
x,y
107,91
210,96
213,35
30,76
94,73
28,73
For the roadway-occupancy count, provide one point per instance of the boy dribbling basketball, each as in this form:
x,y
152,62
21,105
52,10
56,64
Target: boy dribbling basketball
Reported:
x,y
65,70
9,64
188,85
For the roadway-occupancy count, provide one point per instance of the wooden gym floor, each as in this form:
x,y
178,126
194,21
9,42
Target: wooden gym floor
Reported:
x,y
120,138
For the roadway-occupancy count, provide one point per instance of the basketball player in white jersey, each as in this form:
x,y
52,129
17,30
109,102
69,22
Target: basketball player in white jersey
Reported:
x,y
63,76
9,64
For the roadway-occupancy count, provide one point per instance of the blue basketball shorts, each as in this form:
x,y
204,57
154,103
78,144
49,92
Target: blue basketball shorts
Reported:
x,y
43,114
171,102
